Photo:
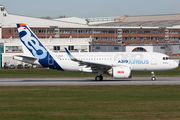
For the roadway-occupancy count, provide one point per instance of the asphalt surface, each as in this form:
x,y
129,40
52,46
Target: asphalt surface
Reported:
x,y
87,81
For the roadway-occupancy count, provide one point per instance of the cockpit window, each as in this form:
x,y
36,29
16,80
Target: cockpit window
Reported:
x,y
166,58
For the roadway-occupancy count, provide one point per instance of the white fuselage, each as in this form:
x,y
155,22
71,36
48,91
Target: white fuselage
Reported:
x,y
137,61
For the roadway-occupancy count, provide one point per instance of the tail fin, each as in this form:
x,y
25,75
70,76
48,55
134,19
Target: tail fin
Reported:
x,y
32,46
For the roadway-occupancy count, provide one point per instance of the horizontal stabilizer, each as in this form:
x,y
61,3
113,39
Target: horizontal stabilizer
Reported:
x,y
26,59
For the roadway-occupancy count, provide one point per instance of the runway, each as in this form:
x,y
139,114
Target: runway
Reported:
x,y
87,81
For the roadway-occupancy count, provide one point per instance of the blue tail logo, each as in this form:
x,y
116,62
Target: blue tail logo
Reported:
x,y
34,45
31,42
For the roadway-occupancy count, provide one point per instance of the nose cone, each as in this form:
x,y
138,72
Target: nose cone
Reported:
x,y
175,64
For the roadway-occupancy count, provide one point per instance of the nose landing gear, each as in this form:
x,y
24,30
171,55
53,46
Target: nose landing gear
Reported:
x,y
153,78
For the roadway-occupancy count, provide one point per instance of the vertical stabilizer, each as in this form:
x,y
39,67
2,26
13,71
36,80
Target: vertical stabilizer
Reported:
x,y
32,46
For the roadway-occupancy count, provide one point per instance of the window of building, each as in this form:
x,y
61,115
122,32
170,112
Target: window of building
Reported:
x,y
116,48
111,38
125,31
153,32
4,15
60,31
153,38
42,31
56,48
96,31
173,38
88,31
139,38
160,38
139,32
146,32
178,32
81,31
133,32
174,32
125,38
111,32
104,38
96,38
97,47
2,8
70,47
13,48
66,32
146,38
133,38
162,47
50,31
103,31
15,31
73,31
9,31
35,31
160,32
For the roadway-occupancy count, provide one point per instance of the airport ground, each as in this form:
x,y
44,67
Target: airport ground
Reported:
x,y
77,102
90,102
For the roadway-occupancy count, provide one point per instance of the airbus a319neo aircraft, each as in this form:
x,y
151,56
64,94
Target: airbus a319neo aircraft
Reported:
x,y
115,64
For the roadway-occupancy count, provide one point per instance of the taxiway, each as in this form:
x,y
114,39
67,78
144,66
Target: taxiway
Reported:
x,y
87,81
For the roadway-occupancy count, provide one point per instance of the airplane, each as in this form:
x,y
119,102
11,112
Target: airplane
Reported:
x,y
116,64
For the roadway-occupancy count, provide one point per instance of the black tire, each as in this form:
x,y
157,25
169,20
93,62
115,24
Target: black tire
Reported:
x,y
99,78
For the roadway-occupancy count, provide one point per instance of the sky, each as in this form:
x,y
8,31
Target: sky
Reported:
x,y
90,8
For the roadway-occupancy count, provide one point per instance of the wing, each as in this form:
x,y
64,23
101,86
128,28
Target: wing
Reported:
x,y
93,65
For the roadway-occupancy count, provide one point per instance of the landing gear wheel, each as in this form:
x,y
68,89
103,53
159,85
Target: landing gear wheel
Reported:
x,y
153,78
99,78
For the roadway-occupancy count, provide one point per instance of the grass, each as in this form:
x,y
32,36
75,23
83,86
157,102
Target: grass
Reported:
x,y
43,73
90,103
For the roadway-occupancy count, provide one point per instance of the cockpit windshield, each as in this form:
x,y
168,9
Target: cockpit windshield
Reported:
x,y
166,58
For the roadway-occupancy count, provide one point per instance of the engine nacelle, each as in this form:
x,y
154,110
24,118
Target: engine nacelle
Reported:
x,y
120,72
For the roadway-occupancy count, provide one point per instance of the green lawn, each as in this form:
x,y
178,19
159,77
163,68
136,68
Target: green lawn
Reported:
x,y
43,72
90,103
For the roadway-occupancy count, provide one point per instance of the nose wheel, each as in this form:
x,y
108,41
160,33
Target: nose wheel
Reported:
x,y
99,78
153,78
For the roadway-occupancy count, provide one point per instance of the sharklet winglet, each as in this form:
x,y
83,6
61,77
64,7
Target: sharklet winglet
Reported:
x,y
70,55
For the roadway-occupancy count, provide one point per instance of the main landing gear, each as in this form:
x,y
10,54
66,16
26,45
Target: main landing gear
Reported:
x,y
99,78
153,78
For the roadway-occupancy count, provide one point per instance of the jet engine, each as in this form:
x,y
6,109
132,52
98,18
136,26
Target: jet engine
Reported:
x,y
120,72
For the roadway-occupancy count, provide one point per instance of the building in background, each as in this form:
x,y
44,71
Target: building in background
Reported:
x,y
161,33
